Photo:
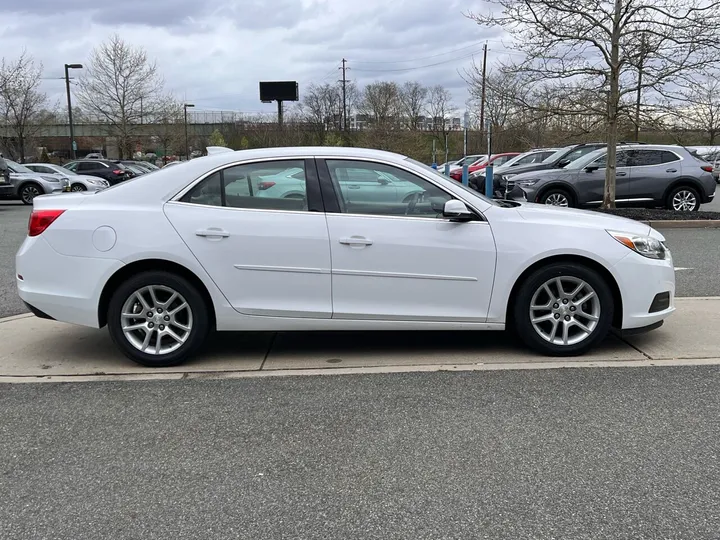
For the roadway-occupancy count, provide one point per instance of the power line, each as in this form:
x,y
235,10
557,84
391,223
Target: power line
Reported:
x,y
416,59
424,66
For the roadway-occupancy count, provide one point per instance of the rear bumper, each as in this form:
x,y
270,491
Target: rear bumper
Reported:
x,y
61,287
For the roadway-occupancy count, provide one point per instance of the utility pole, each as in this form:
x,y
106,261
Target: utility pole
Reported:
x,y
641,62
344,95
187,143
141,112
73,144
482,93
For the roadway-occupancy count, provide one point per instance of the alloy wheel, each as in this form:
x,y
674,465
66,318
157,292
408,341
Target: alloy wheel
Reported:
x,y
77,187
557,199
156,320
29,193
565,310
684,201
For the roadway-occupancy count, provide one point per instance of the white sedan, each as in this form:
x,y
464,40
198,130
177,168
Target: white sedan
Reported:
x,y
168,258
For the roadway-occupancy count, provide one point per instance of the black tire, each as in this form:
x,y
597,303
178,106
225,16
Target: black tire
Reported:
x,y
553,193
78,187
29,191
520,314
198,307
682,192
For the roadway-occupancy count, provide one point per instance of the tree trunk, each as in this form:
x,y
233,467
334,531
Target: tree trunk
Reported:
x,y
21,147
612,111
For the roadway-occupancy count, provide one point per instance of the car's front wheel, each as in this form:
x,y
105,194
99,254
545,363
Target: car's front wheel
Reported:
x,y
563,309
158,319
78,187
556,197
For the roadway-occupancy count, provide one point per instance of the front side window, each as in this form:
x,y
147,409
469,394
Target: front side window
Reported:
x,y
71,166
392,192
276,185
621,160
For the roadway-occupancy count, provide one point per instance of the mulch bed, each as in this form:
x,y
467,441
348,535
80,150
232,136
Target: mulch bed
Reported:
x,y
658,214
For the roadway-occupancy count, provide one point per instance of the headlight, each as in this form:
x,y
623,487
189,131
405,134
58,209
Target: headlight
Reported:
x,y
53,179
644,245
95,182
525,183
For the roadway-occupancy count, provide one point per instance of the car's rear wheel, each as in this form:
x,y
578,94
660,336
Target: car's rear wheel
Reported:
x,y
28,192
556,197
684,199
158,319
78,187
563,309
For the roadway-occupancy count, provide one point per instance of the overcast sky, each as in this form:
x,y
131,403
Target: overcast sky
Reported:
x,y
214,52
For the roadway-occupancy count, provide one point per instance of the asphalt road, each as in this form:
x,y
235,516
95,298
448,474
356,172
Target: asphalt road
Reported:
x,y
575,453
694,248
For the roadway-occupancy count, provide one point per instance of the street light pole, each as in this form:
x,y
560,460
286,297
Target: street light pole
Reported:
x,y
187,144
70,120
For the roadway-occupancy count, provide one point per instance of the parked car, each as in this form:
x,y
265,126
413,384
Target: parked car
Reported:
x,y
496,160
138,167
650,175
27,184
714,159
470,160
447,258
95,155
112,171
77,182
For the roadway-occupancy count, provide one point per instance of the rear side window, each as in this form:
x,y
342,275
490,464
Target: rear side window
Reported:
x,y
89,166
668,157
644,158
277,185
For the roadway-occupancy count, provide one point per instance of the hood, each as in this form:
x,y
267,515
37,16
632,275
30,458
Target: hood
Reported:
x,y
542,213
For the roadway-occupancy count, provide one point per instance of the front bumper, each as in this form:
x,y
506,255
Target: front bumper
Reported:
x,y
641,280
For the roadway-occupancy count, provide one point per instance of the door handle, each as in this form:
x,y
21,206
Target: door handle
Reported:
x,y
671,170
356,241
620,174
354,187
205,233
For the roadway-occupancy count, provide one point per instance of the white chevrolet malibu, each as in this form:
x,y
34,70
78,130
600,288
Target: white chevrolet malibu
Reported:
x,y
333,239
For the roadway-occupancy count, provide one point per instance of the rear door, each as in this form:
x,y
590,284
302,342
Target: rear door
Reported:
x,y
269,255
652,172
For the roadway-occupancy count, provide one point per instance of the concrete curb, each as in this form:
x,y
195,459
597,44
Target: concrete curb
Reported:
x,y
684,224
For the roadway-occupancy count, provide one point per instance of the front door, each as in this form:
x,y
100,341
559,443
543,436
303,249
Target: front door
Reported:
x,y
396,258
269,255
591,180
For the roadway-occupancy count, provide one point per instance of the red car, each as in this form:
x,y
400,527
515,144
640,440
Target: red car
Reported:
x,y
496,160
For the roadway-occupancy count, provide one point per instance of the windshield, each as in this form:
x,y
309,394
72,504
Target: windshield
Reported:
x,y
16,167
586,159
557,155
458,184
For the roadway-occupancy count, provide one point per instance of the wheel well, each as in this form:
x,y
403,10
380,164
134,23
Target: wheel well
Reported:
x,y
575,259
560,187
151,265
684,182
29,182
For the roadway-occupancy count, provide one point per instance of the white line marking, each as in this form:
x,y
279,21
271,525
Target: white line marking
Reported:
x,y
682,268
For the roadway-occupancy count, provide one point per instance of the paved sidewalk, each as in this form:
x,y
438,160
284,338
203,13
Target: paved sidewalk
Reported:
x,y
32,348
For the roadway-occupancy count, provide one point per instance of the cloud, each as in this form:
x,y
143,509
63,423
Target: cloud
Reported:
x,y
214,52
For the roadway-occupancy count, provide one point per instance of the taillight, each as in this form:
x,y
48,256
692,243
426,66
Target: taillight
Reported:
x,y
707,168
265,185
41,220
118,171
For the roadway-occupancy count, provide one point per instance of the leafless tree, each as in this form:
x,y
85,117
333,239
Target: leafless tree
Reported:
x,y
323,105
121,86
439,108
698,105
595,46
413,99
21,101
381,102
167,128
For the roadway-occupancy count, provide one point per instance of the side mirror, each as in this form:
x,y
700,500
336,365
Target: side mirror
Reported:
x,y
455,210
563,162
591,168
382,181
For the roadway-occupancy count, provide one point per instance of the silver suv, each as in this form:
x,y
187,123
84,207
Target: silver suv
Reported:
x,y
649,176
27,184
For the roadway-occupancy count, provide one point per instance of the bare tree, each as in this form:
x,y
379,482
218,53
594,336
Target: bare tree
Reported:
x,y
595,46
381,101
323,105
413,99
699,105
22,105
167,127
121,87
439,107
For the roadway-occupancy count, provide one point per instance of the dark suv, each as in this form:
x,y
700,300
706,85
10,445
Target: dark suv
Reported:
x,y
557,160
649,176
112,171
